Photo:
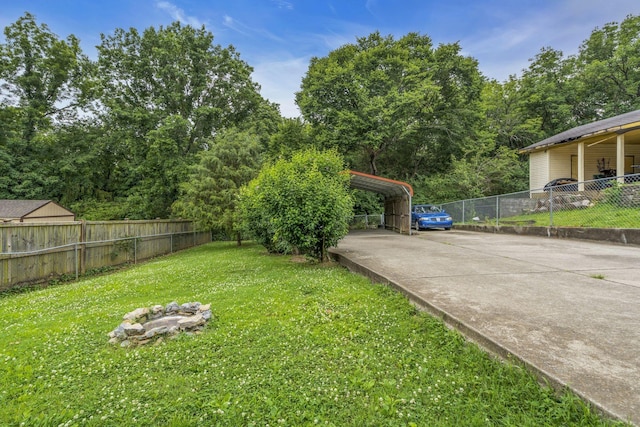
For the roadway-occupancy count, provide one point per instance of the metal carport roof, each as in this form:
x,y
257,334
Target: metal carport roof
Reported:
x,y
385,186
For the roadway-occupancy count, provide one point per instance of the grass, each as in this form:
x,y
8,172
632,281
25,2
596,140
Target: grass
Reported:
x,y
598,216
291,344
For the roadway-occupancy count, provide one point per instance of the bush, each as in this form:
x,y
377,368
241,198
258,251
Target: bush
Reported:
x,y
299,205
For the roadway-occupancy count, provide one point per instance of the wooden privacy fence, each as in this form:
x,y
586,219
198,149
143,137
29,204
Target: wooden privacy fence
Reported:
x,y
33,252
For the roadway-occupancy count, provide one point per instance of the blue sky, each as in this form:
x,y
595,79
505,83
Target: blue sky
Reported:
x,y
279,37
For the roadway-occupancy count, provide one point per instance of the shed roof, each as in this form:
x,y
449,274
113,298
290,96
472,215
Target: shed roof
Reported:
x,y
19,209
387,187
617,124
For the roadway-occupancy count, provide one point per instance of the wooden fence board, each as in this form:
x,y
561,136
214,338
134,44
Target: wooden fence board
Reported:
x,y
34,252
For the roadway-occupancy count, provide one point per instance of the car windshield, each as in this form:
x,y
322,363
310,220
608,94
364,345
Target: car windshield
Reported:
x,y
427,209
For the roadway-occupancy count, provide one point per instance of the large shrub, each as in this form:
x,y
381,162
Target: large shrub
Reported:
x,y
302,204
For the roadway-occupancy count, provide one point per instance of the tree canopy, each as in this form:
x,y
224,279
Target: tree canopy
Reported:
x,y
383,99
164,114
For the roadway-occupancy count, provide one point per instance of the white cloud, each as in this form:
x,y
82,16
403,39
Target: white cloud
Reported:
x,y
280,80
178,14
247,31
507,47
282,4
234,25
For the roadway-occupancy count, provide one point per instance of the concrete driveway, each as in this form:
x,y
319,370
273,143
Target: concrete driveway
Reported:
x,y
568,309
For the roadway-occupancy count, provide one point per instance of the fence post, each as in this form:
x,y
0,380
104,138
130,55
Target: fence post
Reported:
x,y
171,242
497,211
76,260
463,211
550,206
83,248
135,250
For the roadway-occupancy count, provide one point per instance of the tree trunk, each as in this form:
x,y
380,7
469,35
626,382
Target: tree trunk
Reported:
x,y
372,162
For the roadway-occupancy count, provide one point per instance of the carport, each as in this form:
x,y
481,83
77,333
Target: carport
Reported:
x,y
397,199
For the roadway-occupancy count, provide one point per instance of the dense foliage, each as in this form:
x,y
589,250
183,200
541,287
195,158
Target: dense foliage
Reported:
x,y
123,135
210,195
299,205
394,107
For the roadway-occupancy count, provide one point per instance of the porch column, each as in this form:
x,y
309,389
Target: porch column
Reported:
x,y
620,157
581,166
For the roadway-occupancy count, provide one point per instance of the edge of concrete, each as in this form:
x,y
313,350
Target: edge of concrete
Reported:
x,y
625,236
492,347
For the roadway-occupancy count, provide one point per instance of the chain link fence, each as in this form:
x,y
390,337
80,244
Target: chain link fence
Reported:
x,y
363,222
612,202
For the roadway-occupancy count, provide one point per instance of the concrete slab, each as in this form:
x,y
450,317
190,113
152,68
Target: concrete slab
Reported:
x,y
568,309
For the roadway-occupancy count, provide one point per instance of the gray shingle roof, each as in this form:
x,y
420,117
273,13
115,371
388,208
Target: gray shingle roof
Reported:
x,y
611,124
19,208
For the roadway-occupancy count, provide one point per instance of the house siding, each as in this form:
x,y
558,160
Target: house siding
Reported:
x,y
538,169
556,163
560,162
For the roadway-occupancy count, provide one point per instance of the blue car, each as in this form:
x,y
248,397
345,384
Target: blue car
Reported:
x,y
430,216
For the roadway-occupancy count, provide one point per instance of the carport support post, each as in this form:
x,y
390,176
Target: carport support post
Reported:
x,y
408,194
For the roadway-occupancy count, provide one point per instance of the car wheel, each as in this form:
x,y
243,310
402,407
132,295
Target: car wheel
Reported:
x,y
447,228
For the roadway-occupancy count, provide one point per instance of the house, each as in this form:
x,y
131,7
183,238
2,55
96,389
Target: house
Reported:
x,y
606,148
33,211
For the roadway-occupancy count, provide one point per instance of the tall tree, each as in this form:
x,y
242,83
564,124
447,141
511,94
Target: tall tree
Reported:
x,y
210,195
382,100
506,119
548,91
45,82
608,70
45,77
167,92
292,135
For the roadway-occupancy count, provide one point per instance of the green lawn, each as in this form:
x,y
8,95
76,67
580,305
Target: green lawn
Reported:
x,y
598,216
291,344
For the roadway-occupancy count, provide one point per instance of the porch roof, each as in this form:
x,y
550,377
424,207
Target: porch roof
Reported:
x,y
618,124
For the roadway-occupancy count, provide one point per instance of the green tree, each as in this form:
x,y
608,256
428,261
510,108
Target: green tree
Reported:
x,y
608,70
167,93
8,131
48,79
45,82
302,204
484,170
548,92
292,135
397,106
210,195
506,119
